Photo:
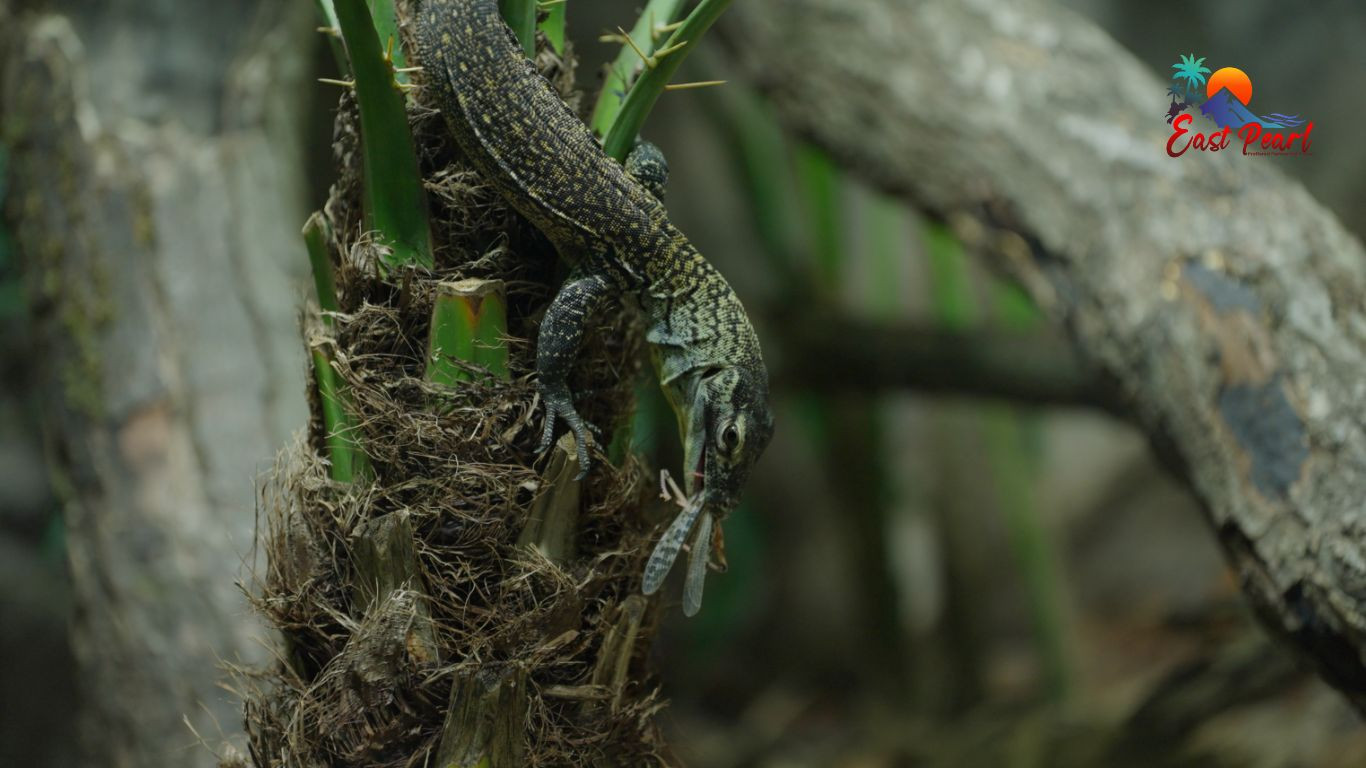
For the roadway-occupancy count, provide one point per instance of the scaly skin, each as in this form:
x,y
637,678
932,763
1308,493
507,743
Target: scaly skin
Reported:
x,y
526,142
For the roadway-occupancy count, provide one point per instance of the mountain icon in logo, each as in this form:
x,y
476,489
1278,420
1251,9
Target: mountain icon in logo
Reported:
x,y
1228,111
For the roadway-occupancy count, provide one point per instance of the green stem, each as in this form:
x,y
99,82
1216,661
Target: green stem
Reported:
x,y
950,290
1029,538
849,433
521,16
646,90
760,156
886,227
553,26
385,15
820,181
333,32
1019,435
329,14
317,234
395,205
627,63
349,462
1010,471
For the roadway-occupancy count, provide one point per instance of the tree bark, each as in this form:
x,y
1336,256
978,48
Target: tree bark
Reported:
x,y
155,193
1226,303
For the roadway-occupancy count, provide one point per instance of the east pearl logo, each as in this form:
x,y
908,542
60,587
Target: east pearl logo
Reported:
x,y
1227,96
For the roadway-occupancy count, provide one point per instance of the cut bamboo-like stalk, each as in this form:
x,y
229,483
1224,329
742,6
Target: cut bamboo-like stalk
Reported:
x,y
386,566
552,525
469,325
614,660
485,721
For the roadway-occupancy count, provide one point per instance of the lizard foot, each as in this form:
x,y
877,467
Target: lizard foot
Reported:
x,y
559,405
646,164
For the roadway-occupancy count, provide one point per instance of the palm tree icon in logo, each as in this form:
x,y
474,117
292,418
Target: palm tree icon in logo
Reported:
x,y
1192,72
1177,107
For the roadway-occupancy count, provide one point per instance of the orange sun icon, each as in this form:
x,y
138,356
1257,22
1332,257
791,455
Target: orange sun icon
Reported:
x,y
1232,78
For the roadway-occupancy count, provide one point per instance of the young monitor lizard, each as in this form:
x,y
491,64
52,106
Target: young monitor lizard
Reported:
x,y
527,142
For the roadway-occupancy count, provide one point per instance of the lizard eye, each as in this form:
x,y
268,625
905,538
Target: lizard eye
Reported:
x,y
730,438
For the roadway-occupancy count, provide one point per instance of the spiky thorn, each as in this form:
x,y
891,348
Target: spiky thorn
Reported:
x,y
622,36
697,84
342,83
651,61
666,29
663,52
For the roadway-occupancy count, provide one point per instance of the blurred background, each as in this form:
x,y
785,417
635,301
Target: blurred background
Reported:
x,y
914,578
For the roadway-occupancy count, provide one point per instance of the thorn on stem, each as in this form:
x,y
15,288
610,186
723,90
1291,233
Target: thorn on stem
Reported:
x,y
697,84
649,60
662,52
665,29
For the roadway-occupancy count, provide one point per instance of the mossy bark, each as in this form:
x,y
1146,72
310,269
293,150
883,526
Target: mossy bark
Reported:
x,y
155,190
1231,322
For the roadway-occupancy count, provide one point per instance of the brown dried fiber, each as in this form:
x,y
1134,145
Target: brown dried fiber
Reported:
x,y
390,595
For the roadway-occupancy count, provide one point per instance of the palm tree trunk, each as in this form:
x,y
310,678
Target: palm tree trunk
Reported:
x,y
464,603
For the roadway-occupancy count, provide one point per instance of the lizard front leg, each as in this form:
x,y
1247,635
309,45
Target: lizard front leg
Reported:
x,y
557,346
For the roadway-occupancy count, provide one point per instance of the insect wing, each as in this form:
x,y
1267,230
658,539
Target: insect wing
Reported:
x,y
666,551
697,568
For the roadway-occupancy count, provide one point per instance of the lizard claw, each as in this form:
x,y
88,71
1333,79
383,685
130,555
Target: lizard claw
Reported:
x,y
559,405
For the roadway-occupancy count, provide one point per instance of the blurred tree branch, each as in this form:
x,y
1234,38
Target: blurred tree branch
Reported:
x,y
846,354
155,189
1223,300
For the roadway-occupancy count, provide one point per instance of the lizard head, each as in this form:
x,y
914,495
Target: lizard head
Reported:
x,y
728,428
726,423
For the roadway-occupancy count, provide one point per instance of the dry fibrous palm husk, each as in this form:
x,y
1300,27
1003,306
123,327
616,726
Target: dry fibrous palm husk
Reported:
x,y
415,629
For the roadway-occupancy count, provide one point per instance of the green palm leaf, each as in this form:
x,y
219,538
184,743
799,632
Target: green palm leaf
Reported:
x,y
1191,71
